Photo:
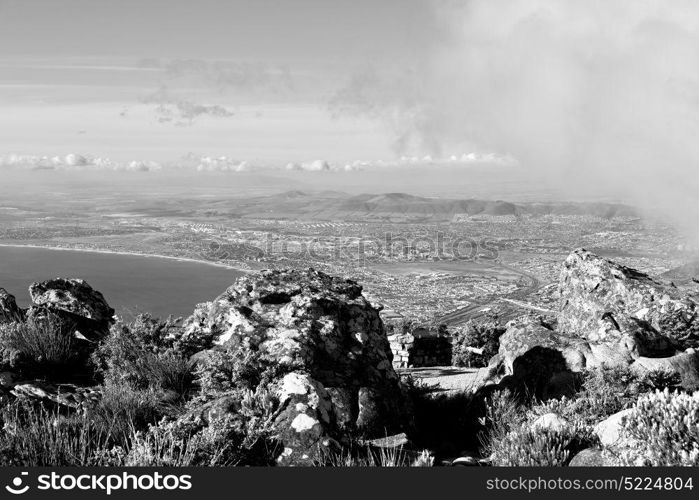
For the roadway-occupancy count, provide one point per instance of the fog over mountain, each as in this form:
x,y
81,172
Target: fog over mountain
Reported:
x,y
582,93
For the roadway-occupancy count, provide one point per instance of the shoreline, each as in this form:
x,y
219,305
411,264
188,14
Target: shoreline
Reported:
x,y
132,254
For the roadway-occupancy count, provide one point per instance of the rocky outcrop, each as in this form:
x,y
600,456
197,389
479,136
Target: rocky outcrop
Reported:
x,y
10,312
609,316
332,361
75,302
533,358
602,301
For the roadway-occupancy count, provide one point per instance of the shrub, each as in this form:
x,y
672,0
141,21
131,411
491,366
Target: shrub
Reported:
x,y
243,437
232,368
40,346
141,354
36,436
503,413
123,410
476,335
526,447
662,430
366,456
605,391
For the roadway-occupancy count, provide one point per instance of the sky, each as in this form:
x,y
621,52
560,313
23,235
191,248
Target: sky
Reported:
x,y
582,94
157,79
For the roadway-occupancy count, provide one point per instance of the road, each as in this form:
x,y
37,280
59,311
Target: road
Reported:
x,y
475,310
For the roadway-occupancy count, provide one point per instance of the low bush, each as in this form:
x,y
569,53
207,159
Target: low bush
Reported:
x,y
39,347
662,430
207,438
123,410
35,436
512,439
366,456
527,447
474,344
141,354
605,391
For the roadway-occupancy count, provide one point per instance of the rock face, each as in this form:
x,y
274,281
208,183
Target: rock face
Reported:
x,y
73,300
534,358
602,301
609,316
330,350
9,311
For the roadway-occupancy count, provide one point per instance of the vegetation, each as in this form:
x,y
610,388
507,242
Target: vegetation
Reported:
x,y
663,428
475,343
142,355
367,456
512,439
40,345
160,408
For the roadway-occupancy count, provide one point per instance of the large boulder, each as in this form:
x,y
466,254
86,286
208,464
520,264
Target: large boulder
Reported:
x,y
10,312
601,301
534,359
332,361
75,302
609,316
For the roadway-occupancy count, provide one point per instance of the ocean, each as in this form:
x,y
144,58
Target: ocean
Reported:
x,y
131,284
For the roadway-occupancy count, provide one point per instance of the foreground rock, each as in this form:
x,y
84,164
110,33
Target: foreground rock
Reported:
x,y
602,301
57,396
10,312
332,361
75,302
591,457
609,316
534,359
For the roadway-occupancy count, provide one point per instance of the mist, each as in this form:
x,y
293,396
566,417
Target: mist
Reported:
x,y
586,95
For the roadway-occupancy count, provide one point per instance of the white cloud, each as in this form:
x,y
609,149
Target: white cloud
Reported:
x,y
73,161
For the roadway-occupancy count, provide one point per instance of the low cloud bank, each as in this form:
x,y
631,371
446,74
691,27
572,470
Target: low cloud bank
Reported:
x,y
198,163
74,161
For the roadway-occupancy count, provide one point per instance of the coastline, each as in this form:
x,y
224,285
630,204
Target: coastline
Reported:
x,y
133,254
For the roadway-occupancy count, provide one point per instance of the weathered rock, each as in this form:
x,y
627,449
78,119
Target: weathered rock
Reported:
x,y
9,310
533,359
67,396
609,316
603,301
551,422
609,431
395,441
685,365
75,301
591,457
465,462
329,350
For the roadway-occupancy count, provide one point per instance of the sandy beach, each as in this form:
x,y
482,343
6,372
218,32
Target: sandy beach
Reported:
x,y
135,254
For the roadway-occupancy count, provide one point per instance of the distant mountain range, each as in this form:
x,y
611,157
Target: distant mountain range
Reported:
x,y
336,205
